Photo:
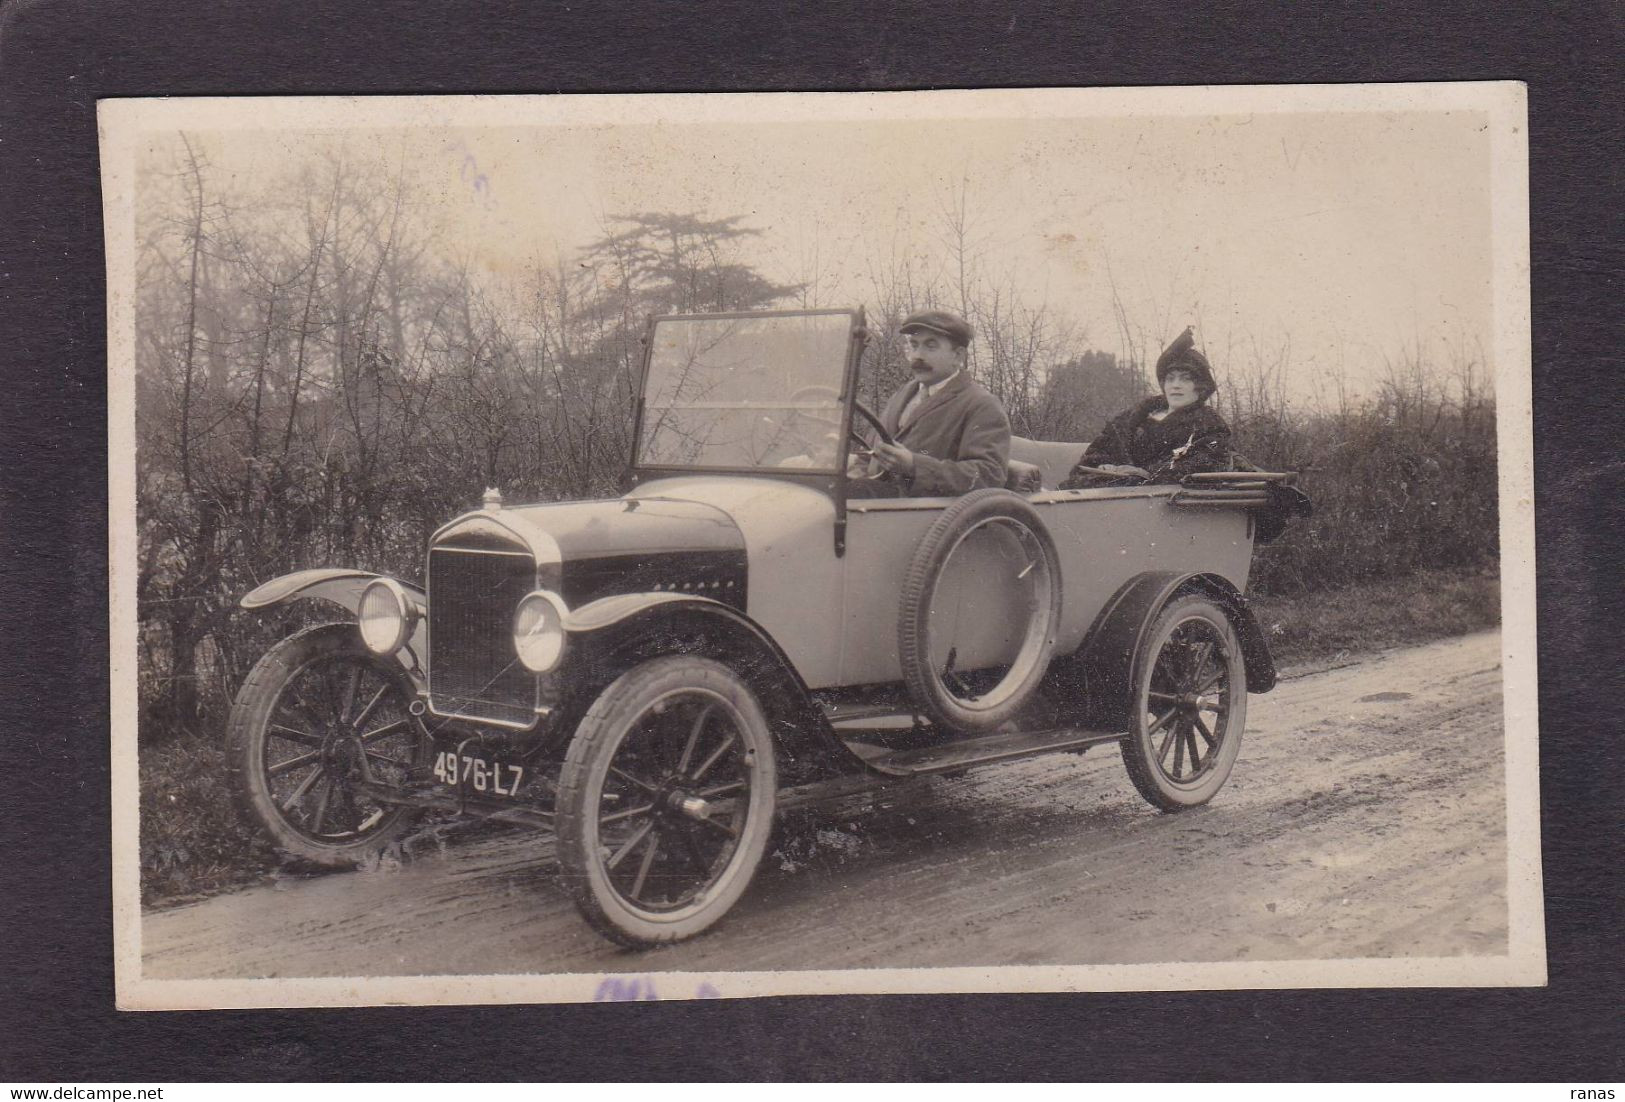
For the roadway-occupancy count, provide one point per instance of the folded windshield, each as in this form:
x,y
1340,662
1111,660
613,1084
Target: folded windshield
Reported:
x,y
751,392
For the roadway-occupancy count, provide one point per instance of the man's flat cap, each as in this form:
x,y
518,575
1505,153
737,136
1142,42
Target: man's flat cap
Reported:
x,y
949,324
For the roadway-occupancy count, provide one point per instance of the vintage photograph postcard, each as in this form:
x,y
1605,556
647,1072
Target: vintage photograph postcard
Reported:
x,y
572,548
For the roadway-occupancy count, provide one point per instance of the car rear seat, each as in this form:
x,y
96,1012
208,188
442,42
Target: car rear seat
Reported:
x,y
1040,464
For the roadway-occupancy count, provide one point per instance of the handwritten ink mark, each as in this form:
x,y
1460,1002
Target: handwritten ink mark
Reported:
x,y
626,989
631,989
468,172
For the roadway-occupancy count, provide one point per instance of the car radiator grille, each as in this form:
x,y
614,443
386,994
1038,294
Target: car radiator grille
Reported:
x,y
473,670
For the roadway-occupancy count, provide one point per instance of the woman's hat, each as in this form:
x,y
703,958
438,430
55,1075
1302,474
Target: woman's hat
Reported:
x,y
1183,355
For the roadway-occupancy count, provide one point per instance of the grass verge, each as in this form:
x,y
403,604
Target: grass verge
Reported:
x,y
193,845
1333,624
192,842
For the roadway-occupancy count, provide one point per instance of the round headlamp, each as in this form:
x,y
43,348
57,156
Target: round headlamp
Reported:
x,y
386,616
538,630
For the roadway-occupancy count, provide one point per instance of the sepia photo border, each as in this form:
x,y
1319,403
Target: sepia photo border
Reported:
x,y
123,123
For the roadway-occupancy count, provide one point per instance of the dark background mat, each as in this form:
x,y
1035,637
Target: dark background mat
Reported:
x,y
56,985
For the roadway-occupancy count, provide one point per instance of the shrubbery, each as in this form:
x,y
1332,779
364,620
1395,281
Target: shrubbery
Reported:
x,y
1403,482
315,389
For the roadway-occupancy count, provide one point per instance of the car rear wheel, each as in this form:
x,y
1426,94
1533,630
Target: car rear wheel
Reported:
x,y
320,726
1189,705
666,800
987,565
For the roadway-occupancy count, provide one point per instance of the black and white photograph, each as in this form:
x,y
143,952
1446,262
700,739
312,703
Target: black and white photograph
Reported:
x,y
678,546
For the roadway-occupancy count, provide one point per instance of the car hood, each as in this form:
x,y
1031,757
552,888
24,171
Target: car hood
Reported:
x,y
753,504
714,535
571,531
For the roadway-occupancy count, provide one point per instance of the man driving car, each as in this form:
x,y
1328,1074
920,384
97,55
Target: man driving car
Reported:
x,y
951,435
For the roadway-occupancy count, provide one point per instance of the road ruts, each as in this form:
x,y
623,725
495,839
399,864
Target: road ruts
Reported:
x,y
1365,818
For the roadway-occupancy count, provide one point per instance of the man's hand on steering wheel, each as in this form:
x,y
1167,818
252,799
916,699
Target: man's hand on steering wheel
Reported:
x,y
895,459
872,453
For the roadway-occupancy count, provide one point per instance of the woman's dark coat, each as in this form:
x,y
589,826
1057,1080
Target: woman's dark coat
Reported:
x,y
1186,441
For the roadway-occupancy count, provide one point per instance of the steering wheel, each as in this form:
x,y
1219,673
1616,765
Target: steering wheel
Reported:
x,y
874,422
871,474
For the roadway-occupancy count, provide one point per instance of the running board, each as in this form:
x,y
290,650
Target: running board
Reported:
x,y
889,767
867,717
964,753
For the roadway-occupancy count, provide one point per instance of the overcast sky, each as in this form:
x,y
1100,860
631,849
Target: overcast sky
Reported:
x,y
1352,235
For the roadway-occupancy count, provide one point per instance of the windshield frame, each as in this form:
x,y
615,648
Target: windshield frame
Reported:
x,y
857,334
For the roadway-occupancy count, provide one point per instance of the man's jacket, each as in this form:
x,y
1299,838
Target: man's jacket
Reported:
x,y
960,438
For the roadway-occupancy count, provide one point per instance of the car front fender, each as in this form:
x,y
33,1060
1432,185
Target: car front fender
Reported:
x,y
609,611
635,627
343,587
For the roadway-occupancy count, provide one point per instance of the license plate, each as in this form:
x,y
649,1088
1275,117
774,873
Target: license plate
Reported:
x,y
478,773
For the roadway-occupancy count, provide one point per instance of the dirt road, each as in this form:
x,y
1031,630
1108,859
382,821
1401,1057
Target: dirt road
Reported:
x,y
1365,818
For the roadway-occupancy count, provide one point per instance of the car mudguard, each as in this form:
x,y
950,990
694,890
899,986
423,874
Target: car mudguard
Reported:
x,y
609,611
628,627
1099,673
343,587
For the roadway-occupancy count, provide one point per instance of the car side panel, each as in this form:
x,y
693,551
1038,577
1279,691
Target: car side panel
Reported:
x,y
1105,537
795,576
1102,538
880,541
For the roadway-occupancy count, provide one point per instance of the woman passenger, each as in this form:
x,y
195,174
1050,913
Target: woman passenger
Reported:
x,y
1165,437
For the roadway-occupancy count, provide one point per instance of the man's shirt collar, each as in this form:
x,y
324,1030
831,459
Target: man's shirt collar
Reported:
x,y
927,391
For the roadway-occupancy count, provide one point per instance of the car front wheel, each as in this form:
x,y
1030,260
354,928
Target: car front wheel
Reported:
x,y
319,731
666,800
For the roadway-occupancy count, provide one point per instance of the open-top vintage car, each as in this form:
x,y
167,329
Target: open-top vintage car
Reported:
x,y
654,676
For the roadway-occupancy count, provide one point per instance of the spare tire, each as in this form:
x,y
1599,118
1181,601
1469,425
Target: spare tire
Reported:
x,y
958,579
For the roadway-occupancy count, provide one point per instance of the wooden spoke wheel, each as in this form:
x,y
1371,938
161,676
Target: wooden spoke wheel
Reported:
x,y
1189,706
666,800
318,719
